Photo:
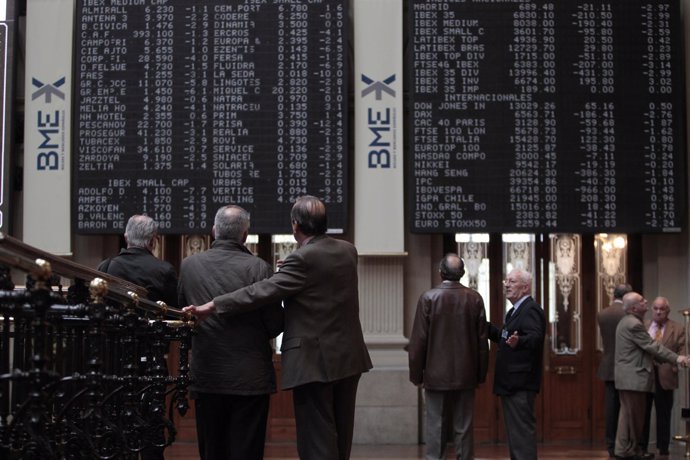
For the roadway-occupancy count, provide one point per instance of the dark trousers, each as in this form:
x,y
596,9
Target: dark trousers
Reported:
x,y
231,427
612,407
521,424
663,404
325,417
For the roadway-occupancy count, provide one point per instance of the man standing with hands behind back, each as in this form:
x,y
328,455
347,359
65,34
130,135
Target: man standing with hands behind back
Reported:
x,y
323,349
517,378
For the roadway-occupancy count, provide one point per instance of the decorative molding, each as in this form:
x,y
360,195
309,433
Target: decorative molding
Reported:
x,y
193,244
565,303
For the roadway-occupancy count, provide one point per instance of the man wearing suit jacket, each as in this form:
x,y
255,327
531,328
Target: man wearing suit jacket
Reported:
x,y
608,319
323,350
138,265
517,378
671,335
634,374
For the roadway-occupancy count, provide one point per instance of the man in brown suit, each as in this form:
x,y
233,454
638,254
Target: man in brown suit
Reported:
x,y
449,355
671,335
608,319
323,350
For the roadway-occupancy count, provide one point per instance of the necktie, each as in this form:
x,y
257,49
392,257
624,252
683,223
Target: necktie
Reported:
x,y
658,334
509,314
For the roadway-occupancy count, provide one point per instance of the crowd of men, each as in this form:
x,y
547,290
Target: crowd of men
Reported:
x,y
639,367
241,304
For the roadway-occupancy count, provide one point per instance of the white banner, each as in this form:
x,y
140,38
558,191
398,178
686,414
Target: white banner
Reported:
x,y
47,155
379,197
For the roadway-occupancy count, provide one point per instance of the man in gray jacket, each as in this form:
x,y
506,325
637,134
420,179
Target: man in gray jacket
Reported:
x,y
231,366
323,350
634,374
449,355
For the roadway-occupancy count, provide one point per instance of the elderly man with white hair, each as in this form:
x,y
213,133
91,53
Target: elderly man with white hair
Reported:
x,y
634,374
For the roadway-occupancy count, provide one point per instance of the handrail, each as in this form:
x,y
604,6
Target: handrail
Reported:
x,y
85,374
16,253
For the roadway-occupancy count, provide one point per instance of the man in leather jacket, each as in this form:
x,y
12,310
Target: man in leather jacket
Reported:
x,y
448,355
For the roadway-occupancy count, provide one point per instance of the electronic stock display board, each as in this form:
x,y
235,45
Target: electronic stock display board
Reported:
x,y
184,106
536,115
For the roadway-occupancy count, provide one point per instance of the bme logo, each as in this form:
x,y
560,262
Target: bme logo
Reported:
x,y
381,123
48,124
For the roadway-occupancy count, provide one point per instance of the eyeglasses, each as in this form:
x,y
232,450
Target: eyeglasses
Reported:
x,y
510,281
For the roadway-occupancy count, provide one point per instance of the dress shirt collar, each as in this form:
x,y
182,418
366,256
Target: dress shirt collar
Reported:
x,y
654,326
307,240
517,304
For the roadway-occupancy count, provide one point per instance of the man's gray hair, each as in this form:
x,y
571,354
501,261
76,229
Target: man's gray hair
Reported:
x,y
231,222
664,302
139,231
523,275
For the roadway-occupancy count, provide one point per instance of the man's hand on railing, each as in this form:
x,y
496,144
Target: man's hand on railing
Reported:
x,y
200,312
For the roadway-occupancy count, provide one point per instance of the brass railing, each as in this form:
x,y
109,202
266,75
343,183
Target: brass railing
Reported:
x,y
83,374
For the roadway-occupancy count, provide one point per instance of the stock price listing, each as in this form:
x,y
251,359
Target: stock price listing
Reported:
x,y
182,107
546,116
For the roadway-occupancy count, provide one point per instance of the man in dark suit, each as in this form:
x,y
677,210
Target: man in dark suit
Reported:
x,y
608,319
517,378
671,335
138,265
634,374
323,350
449,355
231,366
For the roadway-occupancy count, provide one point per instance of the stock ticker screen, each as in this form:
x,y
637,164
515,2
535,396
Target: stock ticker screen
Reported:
x,y
182,107
544,116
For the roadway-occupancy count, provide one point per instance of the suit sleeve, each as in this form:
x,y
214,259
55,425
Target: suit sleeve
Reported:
x,y
642,339
532,329
680,348
103,266
493,332
289,280
418,342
